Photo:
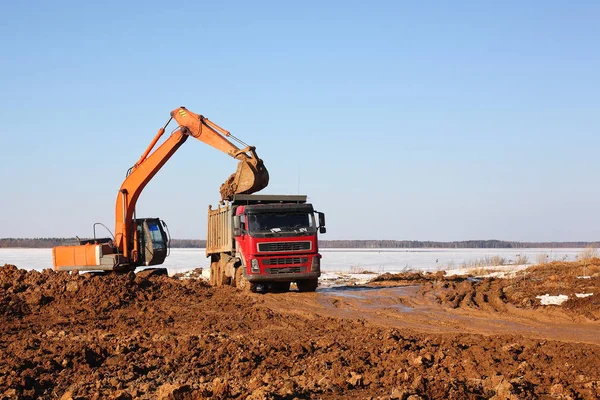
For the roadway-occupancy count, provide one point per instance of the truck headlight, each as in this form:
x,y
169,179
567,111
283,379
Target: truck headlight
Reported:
x,y
254,265
315,265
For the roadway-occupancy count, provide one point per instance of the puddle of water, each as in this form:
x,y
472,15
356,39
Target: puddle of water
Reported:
x,y
361,291
352,292
401,308
370,297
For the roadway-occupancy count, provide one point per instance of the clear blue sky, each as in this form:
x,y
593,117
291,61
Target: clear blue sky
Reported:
x,y
459,120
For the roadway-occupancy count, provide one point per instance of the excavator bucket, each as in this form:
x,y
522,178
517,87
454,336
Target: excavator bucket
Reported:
x,y
250,177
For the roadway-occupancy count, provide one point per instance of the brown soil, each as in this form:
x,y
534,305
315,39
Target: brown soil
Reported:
x,y
501,295
151,336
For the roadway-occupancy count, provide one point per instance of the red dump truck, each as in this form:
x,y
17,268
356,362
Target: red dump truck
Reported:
x,y
264,243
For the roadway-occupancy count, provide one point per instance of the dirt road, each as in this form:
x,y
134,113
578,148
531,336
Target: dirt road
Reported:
x,y
417,307
403,337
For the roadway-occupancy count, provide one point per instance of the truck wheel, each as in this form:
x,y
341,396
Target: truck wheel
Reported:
x,y
307,285
280,287
214,267
242,283
222,280
225,280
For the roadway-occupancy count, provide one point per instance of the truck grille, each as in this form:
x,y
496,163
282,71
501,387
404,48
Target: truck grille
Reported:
x,y
289,270
285,261
284,246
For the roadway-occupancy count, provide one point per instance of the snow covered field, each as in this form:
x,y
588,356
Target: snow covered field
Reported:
x,y
334,261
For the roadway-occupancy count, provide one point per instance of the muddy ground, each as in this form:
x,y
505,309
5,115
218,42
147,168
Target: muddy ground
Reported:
x,y
408,336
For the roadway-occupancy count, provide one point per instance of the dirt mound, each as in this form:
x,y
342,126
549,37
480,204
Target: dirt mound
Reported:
x,y
588,306
408,278
563,269
25,292
131,336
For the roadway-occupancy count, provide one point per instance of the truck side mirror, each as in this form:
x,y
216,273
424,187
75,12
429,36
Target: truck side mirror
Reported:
x,y
321,219
237,230
322,228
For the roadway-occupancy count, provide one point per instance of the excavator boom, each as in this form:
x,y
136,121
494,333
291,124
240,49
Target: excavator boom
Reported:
x,y
251,174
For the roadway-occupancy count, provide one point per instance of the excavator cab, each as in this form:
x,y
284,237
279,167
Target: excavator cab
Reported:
x,y
152,241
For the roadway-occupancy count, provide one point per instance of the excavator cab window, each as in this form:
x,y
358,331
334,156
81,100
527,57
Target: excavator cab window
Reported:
x,y
152,241
158,237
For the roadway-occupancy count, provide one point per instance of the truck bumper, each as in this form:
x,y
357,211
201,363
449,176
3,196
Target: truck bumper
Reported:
x,y
291,277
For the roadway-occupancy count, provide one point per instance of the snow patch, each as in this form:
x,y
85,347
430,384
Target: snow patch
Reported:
x,y
581,295
329,279
548,300
501,271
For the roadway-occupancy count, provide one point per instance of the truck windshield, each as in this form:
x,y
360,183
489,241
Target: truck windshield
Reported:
x,y
281,222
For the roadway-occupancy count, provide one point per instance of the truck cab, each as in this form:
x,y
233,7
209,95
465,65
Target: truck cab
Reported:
x,y
274,241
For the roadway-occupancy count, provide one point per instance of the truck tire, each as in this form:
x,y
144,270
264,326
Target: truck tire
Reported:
x,y
242,283
307,285
280,287
214,266
218,276
225,280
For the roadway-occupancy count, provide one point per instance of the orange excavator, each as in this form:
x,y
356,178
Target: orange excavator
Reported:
x,y
144,241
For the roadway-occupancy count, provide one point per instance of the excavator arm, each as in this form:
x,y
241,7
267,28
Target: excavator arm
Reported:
x,y
250,176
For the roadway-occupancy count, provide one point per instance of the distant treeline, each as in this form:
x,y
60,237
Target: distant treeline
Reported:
x,y
344,244
464,244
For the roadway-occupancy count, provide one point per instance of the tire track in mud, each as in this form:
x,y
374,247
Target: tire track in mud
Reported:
x,y
452,305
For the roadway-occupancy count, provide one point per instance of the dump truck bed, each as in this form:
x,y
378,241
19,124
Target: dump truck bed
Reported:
x,y
219,236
